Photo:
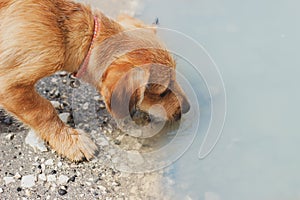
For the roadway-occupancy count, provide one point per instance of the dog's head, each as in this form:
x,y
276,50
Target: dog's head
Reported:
x,y
139,79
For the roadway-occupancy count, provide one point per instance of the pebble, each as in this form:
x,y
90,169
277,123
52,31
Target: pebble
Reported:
x,y
102,105
85,106
43,167
49,162
72,179
59,164
8,121
75,83
54,80
55,104
62,192
27,193
9,136
28,181
63,73
1,190
35,142
17,175
62,180
9,180
64,117
42,177
102,188
51,178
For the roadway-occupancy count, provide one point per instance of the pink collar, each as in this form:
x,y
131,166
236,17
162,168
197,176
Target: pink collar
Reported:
x,y
83,67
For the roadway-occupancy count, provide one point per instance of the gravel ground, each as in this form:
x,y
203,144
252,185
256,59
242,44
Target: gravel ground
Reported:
x,y
28,171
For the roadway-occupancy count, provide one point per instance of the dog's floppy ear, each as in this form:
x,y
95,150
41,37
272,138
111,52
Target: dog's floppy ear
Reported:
x,y
160,77
128,92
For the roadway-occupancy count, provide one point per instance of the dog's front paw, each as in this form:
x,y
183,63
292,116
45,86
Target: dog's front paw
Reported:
x,y
74,144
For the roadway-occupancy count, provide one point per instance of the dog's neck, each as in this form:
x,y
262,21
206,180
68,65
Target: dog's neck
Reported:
x,y
78,26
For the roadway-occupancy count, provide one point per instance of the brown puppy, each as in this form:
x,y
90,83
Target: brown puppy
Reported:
x,y
41,37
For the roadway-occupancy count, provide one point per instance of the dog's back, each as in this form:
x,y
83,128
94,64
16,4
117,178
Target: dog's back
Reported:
x,y
3,3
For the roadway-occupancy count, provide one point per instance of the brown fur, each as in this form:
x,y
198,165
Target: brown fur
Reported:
x,y
41,37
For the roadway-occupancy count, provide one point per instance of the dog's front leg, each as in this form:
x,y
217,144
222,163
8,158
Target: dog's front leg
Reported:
x,y
32,109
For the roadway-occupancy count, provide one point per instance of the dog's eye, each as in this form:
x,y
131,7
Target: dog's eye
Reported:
x,y
167,91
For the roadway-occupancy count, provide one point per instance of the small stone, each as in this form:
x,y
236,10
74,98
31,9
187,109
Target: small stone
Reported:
x,y
88,183
97,98
64,117
62,180
85,106
8,180
8,121
63,73
27,193
19,189
102,188
59,164
54,80
35,142
17,175
9,136
62,192
51,178
1,190
55,104
42,177
102,105
28,181
72,179
75,83
43,167
49,162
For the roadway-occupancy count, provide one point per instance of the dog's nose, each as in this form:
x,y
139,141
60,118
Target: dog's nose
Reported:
x,y
185,107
